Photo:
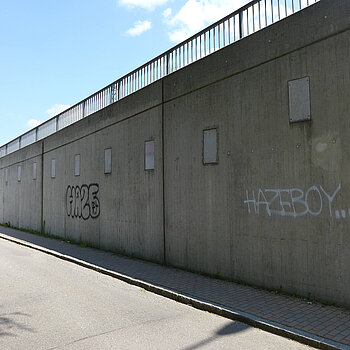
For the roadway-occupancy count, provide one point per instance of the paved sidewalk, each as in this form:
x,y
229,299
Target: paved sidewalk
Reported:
x,y
326,327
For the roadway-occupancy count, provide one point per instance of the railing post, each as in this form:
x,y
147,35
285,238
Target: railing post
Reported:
x,y
84,108
167,63
172,60
118,90
241,25
111,97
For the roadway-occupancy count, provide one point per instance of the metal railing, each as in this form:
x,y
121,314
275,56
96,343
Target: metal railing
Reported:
x,y
249,19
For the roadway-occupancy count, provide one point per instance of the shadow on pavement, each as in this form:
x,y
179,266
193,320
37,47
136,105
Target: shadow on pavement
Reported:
x,y
9,326
311,323
230,328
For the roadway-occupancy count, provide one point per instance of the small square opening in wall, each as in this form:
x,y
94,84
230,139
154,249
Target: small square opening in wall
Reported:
x,y
210,146
53,168
149,155
19,173
108,160
77,165
299,100
34,171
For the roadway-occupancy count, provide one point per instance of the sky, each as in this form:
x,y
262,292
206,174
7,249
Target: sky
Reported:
x,y
54,53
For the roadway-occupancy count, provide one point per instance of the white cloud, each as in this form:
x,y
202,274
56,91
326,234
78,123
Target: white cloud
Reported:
x,y
139,28
196,15
32,123
167,13
146,4
56,109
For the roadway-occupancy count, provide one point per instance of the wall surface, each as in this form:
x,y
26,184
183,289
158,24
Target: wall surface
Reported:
x,y
129,200
21,201
273,210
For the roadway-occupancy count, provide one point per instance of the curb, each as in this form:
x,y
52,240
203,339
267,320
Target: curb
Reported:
x,y
249,319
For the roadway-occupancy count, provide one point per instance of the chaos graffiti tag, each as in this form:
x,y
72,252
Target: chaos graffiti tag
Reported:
x,y
82,201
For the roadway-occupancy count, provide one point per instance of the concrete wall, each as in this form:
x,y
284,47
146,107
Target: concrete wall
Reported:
x,y
275,208
208,224
130,198
20,201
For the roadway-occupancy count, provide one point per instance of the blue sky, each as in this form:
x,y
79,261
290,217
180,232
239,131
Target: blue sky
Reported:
x,y
54,53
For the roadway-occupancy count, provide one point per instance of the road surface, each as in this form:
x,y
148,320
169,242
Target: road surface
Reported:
x,y
47,303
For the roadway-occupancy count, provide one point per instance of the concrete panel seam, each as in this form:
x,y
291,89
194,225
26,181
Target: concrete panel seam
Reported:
x,y
103,128
21,161
185,94
42,188
163,176
236,315
256,65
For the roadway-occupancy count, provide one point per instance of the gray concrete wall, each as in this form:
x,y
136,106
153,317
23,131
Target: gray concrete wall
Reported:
x,y
208,224
275,208
130,199
20,201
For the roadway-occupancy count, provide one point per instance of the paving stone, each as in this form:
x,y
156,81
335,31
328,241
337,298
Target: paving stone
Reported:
x,y
320,320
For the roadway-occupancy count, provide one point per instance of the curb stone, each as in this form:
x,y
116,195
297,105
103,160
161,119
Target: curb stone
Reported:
x,y
236,315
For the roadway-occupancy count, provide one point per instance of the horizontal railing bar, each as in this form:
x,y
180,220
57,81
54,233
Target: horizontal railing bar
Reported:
x,y
164,64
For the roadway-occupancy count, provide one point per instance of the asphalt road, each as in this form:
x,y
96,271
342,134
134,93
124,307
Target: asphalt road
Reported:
x,y
47,303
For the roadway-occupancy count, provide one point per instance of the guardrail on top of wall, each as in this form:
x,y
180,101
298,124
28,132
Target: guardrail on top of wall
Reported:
x,y
250,18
